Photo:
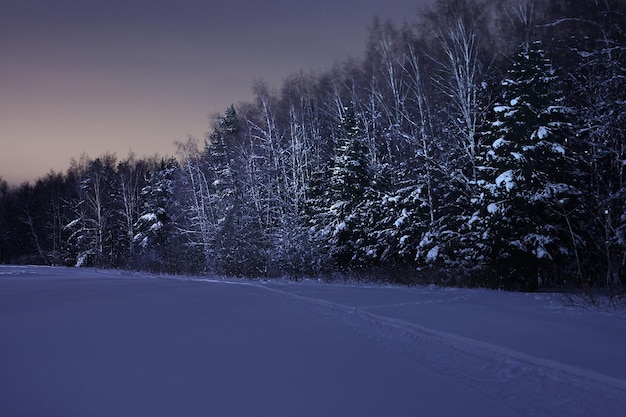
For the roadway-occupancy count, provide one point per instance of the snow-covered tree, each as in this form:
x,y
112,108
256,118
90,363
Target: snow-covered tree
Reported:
x,y
131,179
598,94
94,231
385,164
218,166
463,84
155,228
340,227
529,179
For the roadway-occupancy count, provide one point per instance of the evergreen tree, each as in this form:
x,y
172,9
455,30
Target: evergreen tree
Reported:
x,y
529,179
404,217
314,215
222,191
342,224
350,176
236,243
155,230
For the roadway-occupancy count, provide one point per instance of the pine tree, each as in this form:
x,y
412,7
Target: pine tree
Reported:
x,y
314,215
404,219
342,223
154,227
350,177
529,182
218,165
234,236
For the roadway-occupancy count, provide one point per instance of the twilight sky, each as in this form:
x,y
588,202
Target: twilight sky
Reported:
x,y
118,75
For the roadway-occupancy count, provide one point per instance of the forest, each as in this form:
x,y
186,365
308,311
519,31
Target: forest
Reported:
x,y
481,144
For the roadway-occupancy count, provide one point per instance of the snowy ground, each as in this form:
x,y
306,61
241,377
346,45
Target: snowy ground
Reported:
x,y
97,343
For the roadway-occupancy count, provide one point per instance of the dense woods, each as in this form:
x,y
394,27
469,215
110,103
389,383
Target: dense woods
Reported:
x,y
482,144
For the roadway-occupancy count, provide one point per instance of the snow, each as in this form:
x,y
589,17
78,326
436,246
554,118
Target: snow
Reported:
x,y
500,109
432,254
518,156
341,227
101,343
82,258
156,227
560,110
400,220
499,142
542,133
541,252
492,208
148,218
73,223
556,148
506,178
550,190
475,217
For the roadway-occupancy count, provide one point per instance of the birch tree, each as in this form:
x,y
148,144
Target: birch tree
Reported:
x,y
600,82
132,174
92,229
195,198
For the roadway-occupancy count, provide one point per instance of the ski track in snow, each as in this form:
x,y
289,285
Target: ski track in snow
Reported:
x,y
529,384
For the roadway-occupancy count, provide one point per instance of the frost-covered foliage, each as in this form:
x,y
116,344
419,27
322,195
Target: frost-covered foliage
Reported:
x,y
598,94
155,226
342,220
483,145
529,182
92,228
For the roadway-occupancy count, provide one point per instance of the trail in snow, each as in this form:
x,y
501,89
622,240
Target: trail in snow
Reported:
x,y
533,385
84,342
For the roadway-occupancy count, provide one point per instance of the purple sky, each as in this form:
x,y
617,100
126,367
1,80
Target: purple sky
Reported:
x,y
118,75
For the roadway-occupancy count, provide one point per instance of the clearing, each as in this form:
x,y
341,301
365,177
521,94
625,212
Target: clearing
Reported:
x,y
81,342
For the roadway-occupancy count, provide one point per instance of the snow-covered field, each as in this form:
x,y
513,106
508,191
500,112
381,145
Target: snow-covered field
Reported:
x,y
101,343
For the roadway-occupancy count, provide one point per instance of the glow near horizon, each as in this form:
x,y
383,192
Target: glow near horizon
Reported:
x,y
76,80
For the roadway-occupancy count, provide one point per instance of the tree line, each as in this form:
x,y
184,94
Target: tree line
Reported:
x,y
482,144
